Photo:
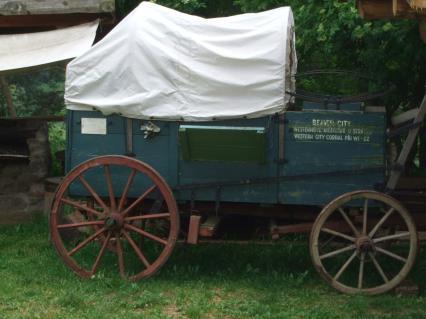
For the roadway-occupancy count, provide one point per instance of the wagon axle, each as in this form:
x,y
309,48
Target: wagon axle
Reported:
x,y
114,221
364,245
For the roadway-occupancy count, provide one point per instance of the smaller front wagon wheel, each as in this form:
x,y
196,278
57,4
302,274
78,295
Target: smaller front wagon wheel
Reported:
x,y
364,242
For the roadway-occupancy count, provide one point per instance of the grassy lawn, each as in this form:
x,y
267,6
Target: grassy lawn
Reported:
x,y
208,281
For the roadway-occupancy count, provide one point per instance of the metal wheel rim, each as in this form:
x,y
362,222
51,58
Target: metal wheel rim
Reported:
x,y
133,164
331,208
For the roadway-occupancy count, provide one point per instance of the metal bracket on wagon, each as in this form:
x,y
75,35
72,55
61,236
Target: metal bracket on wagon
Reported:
x,y
150,129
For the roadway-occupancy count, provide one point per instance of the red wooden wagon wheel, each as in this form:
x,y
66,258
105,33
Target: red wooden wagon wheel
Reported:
x,y
364,242
140,239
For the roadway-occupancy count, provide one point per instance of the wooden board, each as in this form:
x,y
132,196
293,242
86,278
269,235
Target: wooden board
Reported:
x,y
35,7
401,8
386,9
375,9
44,22
418,4
194,228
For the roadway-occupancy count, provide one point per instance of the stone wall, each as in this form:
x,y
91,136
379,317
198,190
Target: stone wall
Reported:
x,y
22,179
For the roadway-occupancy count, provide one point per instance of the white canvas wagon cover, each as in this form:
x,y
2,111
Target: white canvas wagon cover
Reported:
x,y
162,64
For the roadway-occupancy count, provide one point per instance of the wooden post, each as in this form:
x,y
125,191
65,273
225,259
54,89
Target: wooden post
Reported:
x,y
8,96
407,147
194,228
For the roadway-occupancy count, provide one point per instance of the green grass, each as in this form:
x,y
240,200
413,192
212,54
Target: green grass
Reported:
x,y
210,281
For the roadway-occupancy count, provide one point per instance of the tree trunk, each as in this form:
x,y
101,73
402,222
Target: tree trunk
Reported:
x,y
8,96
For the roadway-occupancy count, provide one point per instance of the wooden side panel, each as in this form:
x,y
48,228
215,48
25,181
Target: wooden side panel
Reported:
x,y
334,144
34,7
162,153
317,142
81,147
204,171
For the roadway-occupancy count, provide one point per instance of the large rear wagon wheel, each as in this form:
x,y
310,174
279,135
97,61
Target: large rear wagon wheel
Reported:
x,y
364,242
130,229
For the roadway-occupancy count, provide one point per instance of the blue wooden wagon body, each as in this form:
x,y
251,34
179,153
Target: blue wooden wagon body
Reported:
x,y
324,153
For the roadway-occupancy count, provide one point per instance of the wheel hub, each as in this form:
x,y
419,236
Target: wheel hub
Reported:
x,y
365,244
114,221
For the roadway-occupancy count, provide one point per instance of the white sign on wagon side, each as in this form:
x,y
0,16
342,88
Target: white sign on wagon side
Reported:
x,y
93,126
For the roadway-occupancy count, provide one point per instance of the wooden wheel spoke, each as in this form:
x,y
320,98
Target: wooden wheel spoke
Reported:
x,y
394,236
101,253
390,254
82,207
349,222
380,223
86,241
345,265
82,224
338,234
365,216
146,234
126,190
93,193
149,216
137,250
337,252
138,201
379,268
324,244
120,256
361,271
110,188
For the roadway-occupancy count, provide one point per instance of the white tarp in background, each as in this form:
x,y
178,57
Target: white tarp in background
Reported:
x,y
23,51
162,64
